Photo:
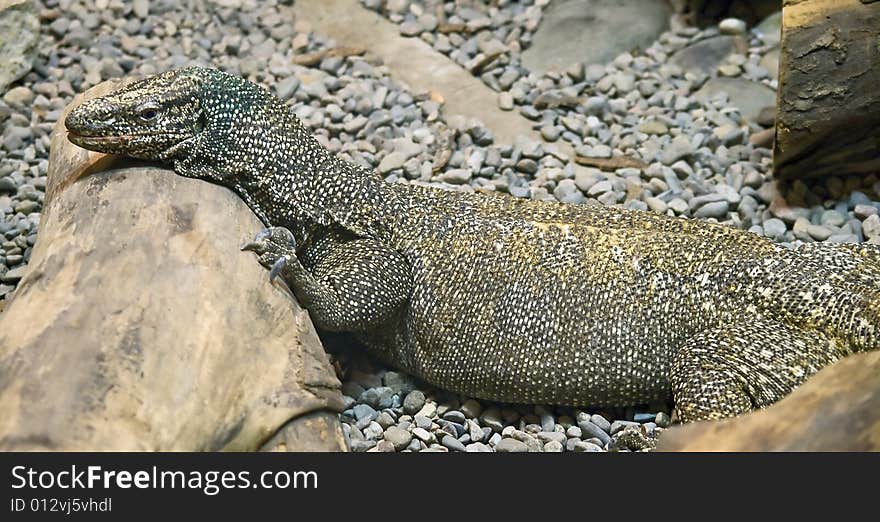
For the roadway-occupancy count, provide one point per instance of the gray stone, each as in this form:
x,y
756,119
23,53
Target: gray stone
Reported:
x,y
286,87
511,446
399,437
593,31
19,35
653,127
601,421
492,419
456,176
706,55
860,211
715,209
383,446
775,228
141,8
770,29
546,436
471,409
359,446
452,443
585,446
428,410
14,275
553,447
819,232
732,26
373,431
871,226
591,430
391,162
424,435
413,402
679,148
454,416
621,424
770,62
663,420
410,28
505,101
422,422
20,96
749,97
385,420
364,411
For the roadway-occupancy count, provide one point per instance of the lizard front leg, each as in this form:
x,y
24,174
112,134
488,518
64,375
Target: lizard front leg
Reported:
x,y
357,286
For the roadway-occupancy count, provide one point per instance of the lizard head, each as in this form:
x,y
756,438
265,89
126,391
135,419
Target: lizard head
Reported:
x,y
151,119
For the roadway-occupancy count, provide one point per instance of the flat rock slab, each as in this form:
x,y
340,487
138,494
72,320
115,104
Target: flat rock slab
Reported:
x,y
748,96
414,63
706,55
594,31
838,409
139,324
19,34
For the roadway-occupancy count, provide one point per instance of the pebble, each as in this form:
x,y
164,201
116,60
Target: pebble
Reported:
x,y
424,435
505,101
585,446
400,438
471,409
775,228
511,446
715,209
413,402
733,26
452,443
591,430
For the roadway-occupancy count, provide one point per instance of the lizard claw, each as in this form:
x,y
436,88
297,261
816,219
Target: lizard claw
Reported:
x,y
277,268
251,246
266,238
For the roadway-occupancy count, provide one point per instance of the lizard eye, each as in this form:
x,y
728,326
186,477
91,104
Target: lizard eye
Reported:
x,y
148,113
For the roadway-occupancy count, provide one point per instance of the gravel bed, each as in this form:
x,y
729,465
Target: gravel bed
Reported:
x,y
702,159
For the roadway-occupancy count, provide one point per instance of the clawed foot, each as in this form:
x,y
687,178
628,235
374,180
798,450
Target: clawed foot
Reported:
x,y
275,247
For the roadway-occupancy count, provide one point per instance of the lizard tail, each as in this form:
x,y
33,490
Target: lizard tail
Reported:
x,y
855,270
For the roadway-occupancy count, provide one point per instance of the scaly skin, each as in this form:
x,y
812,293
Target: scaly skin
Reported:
x,y
503,298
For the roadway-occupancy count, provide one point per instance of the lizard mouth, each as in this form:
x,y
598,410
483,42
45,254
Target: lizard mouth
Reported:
x,y
98,141
117,143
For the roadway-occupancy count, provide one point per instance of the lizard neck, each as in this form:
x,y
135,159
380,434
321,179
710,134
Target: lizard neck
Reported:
x,y
292,179
326,191
285,175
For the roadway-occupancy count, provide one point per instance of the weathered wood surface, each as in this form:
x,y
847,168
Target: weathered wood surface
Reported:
x,y
828,107
141,326
838,409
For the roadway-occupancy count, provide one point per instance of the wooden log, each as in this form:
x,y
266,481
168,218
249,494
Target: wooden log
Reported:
x,y
828,106
139,324
838,409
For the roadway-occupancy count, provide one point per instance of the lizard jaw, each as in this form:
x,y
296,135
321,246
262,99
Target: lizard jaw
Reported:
x,y
131,144
98,142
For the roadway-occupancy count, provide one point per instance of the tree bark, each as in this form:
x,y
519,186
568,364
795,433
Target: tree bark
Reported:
x,y
139,324
828,106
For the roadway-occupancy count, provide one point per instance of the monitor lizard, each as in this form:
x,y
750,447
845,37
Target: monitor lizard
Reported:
x,y
503,298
